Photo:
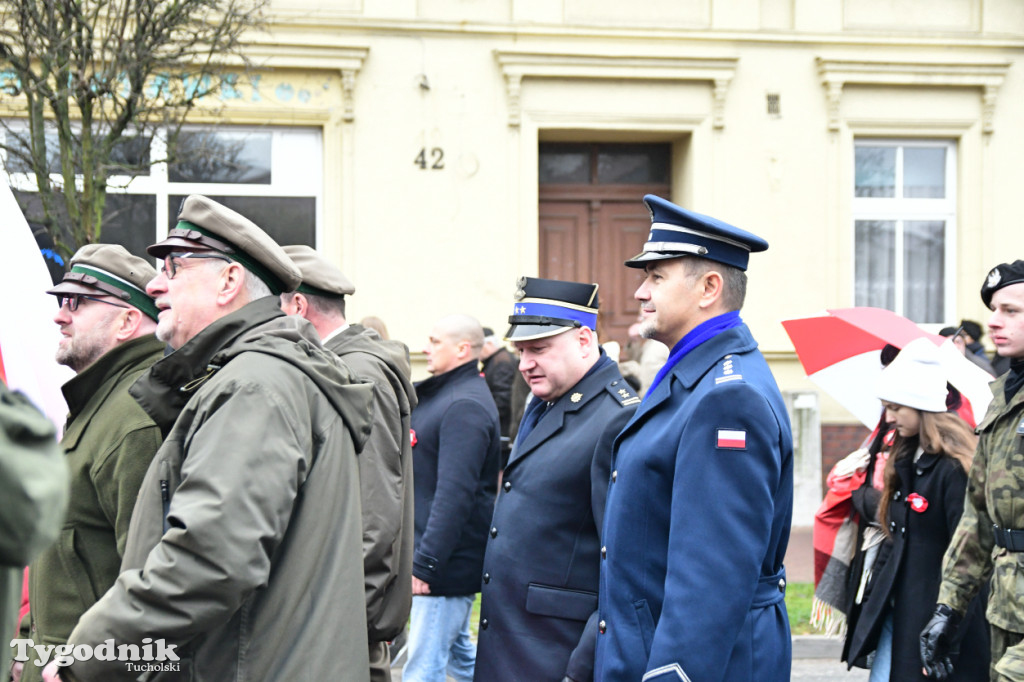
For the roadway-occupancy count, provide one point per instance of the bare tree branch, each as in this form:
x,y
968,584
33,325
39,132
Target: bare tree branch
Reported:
x,y
96,76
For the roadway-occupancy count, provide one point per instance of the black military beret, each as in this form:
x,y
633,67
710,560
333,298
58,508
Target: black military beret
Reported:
x,y
1002,275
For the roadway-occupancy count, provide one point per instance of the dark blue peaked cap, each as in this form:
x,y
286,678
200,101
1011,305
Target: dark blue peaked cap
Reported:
x,y
677,232
545,307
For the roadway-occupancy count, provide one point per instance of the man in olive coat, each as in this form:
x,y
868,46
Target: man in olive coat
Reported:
x,y
107,322
243,559
385,464
538,617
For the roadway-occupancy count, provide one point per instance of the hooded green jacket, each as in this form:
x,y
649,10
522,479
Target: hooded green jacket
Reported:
x,y
109,442
244,551
385,473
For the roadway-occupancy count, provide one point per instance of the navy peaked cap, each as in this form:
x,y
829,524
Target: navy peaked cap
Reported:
x,y
677,232
545,307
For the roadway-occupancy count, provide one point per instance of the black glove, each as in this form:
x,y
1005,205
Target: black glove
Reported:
x,y
935,640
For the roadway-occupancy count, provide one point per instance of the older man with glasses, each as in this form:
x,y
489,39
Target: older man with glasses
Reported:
x,y
244,560
107,322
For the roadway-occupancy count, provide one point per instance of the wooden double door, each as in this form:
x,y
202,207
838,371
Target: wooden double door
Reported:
x,y
592,218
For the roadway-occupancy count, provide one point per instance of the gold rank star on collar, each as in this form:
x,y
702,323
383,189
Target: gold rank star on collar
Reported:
x,y
576,397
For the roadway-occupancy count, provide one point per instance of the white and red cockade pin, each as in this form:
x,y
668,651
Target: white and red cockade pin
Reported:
x,y
916,502
732,439
412,438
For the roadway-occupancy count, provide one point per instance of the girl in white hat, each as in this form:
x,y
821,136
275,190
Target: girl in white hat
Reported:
x,y
922,500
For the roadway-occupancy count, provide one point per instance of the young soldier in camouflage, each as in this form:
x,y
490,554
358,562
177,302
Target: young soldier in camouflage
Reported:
x,y
989,540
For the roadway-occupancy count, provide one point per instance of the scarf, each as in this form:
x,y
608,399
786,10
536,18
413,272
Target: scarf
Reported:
x,y
706,330
1014,379
835,543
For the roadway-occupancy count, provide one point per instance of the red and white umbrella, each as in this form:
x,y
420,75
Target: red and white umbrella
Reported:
x,y
839,351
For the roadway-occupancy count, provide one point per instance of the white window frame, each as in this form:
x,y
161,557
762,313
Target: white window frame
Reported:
x,y
296,171
901,210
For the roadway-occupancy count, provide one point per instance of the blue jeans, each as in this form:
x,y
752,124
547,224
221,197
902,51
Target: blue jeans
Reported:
x,y
439,640
882,664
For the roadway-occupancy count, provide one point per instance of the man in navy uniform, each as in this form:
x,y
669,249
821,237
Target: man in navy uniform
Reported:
x,y
701,491
538,617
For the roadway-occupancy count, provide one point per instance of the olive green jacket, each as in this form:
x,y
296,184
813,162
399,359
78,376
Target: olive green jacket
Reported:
x,y
385,474
109,442
244,550
995,495
34,494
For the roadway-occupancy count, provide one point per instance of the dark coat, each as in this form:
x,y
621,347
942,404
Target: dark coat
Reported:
x,y
865,501
455,475
500,372
697,524
538,617
908,583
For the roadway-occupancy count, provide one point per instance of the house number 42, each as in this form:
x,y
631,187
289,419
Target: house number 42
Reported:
x,y
430,159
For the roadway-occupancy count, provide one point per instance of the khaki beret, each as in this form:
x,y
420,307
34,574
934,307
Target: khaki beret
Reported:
x,y
204,224
319,278
109,270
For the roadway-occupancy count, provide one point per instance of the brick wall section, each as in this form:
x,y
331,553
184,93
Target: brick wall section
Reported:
x,y
837,441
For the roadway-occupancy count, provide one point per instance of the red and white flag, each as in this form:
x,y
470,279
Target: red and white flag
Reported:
x,y
732,438
28,334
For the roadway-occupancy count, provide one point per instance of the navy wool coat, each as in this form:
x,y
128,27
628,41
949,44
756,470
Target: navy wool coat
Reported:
x,y
455,476
697,525
538,617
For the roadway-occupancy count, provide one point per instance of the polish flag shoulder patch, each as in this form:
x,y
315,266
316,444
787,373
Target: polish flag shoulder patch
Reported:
x,y
732,439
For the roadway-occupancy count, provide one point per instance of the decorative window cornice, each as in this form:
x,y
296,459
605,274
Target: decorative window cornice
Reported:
x,y
293,55
988,77
515,66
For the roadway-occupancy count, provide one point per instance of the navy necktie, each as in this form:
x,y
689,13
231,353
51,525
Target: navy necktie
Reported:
x,y
534,411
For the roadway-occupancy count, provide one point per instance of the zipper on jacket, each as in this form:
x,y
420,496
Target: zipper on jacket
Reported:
x,y
198,381
165,497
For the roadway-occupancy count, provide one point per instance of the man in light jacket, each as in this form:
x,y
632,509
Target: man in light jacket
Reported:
x,y
244,558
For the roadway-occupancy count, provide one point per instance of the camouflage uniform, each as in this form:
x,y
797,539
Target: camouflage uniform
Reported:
x,y
995,495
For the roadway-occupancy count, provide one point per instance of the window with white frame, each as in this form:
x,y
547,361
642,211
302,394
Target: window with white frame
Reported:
x,y
904,216
272,175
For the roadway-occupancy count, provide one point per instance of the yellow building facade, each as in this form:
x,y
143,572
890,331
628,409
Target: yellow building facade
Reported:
x,y
876,145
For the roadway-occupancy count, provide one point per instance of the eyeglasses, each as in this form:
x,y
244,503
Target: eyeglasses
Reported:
x,y
72,301
170,267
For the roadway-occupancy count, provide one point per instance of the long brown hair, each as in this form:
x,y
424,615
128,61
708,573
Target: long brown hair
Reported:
x,y
941,432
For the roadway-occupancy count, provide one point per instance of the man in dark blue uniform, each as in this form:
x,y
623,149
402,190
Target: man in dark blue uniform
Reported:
x,y
538,618
701,491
